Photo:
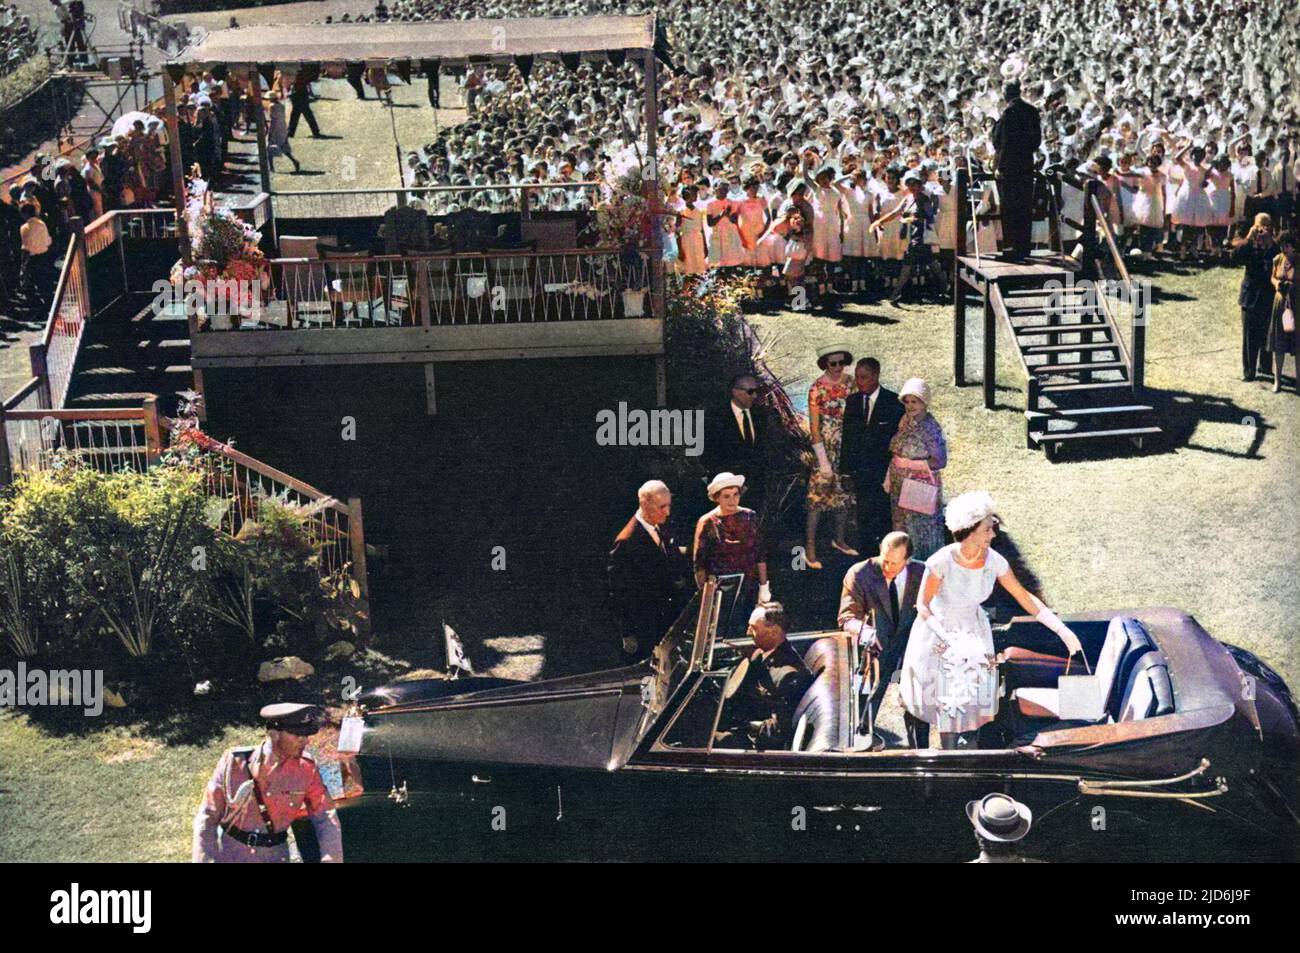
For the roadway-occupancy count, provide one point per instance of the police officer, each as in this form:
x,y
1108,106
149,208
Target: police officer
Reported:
x,y
256,793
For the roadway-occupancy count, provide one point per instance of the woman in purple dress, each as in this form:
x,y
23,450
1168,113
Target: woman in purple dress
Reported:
x,y
728,541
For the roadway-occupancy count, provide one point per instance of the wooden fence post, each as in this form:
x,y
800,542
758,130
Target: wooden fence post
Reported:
x,y
990,346
6,471
958,286
1088,267
152,432
41,371
1139,329
357,544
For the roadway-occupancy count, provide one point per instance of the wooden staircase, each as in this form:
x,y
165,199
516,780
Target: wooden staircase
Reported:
x,y
1079,385
1084,382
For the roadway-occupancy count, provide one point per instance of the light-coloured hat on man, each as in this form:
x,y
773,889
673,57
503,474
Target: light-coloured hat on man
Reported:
x,y
723,481
828,350
915,387
998,817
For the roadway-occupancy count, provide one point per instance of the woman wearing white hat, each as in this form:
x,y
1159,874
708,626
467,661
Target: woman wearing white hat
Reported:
x,y
950,675
826,490
919,453
728,539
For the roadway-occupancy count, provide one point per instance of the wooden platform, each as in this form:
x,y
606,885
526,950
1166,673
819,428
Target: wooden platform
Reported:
x,y
1039,269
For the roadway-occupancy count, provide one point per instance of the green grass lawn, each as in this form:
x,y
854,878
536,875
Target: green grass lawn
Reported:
x,y
112,794
1207,523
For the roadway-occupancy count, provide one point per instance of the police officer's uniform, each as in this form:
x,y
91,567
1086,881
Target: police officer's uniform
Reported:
x,y
249,804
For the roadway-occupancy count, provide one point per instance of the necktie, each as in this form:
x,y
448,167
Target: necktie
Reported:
x,y
866,409
746,428
893,596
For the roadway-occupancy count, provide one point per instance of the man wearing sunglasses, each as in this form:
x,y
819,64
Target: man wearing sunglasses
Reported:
x,y
257,793
735,438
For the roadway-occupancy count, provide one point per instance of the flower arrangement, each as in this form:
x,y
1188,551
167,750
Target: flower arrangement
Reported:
x,y
623,219
229,271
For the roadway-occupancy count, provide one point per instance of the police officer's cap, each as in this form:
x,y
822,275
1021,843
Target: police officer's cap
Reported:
x,y
292,717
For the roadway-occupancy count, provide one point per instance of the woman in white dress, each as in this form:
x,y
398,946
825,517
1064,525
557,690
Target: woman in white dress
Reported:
x,y
950,673
1148,204
1222,188
1191,212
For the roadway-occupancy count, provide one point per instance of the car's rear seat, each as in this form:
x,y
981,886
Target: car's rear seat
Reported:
x,y
821,719
1139,687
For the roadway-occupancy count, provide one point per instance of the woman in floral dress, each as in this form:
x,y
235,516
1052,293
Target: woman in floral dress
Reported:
x,y
826,490
919,452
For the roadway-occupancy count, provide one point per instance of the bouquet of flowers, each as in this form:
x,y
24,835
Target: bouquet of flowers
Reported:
x,y
229,272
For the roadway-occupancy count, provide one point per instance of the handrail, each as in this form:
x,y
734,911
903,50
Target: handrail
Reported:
x,y
212,445
359,257
999,305
489,187
60,289
1116,257
1104,299
79,413
20,395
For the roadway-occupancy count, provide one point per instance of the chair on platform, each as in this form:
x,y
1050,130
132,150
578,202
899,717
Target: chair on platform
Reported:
x,y
352,281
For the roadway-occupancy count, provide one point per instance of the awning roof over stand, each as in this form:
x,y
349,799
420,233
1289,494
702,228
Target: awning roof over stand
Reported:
x,y
446,40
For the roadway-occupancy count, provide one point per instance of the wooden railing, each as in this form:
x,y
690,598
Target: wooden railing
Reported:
x,y
495,287
334,527
134,438
437,199
54,355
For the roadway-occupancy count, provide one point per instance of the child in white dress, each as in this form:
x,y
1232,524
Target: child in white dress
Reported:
x,y
1222,188
1191,211
857,229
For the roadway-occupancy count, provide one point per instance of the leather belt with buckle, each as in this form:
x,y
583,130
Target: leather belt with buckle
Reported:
x,y
255,838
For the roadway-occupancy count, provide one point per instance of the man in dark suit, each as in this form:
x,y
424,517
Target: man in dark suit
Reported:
x,y
765,688
648,575
1256,250
871,417
1016,137
735,438
878,607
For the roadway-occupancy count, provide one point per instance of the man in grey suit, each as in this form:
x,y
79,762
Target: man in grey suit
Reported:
x,y
878,607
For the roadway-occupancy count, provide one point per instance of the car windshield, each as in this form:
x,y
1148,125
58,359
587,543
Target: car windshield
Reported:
x,y
672,656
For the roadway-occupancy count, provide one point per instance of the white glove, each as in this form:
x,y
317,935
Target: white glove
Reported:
x,y
629,645
764,594
823,461
1050,619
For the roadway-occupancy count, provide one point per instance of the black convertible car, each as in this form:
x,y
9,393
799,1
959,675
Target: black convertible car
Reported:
x,y
1194,758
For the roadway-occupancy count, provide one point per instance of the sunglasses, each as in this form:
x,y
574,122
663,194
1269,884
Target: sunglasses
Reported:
x,y
837,363
751,391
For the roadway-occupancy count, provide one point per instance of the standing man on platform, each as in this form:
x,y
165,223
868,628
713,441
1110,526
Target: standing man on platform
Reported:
x,y
1016,137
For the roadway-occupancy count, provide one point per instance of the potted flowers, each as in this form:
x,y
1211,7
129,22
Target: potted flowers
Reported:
x,y
228,278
